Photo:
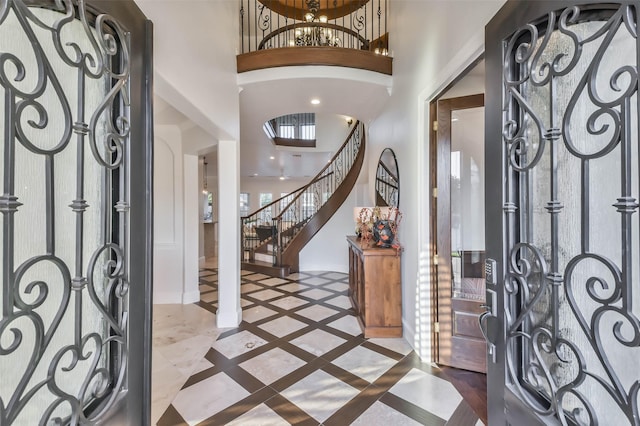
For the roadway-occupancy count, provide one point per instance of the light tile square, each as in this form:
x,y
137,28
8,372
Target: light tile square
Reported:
x,y
316,312
245,302
293,287
244,273
273,281
259,416
337,287
318,342
185,354
316,294
314,281
247,288
320,395
166,381
348,324
395,344
289,302
282,326
256,277
428,392
208,397
237,344
257,313
380,414
209,297
266,294
203,364
340,301
272,365
295,276
364,363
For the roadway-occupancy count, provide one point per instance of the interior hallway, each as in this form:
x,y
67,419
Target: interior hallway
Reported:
x,y
298,357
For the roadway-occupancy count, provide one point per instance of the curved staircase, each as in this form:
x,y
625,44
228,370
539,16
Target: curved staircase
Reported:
x,y
272,237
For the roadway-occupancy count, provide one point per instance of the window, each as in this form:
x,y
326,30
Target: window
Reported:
x,y
265,215
286,131
308,131
244,204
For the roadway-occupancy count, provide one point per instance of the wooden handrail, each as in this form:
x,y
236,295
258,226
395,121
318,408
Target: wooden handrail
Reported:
x,y
320,174
289,194
355,34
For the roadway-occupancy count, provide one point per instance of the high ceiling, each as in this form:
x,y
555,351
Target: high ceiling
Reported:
x,y
188,50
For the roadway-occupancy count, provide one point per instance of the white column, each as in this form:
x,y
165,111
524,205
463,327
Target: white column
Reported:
x,y
229,311
192,194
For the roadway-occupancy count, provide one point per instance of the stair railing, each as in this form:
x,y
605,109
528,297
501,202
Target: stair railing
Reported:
x,y
309,199
255,228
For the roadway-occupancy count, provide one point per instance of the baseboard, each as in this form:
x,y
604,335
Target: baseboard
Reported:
x,y
167,297
228,319
190,297
324,267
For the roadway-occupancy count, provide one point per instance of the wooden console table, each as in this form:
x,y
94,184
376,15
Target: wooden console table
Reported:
x,y
375,288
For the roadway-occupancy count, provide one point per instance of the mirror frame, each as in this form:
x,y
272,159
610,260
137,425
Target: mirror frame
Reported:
x,y
381,177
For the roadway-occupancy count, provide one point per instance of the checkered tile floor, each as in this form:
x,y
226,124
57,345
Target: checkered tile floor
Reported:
x,y
298,357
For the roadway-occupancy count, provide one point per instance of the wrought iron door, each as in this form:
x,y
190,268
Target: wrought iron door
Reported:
x,y
75,206
562,203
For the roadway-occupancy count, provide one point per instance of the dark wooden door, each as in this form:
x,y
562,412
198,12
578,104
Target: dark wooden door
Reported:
x,y
562,200
460,232
75,251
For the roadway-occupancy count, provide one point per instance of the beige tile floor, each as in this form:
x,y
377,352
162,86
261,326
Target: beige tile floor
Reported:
x,y
298,357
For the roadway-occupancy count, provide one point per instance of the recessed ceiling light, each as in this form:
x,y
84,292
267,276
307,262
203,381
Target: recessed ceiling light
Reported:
x,y
255,174
281,177
315,101
272,158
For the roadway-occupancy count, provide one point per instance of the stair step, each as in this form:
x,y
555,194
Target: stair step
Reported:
x,y
264,257
267,268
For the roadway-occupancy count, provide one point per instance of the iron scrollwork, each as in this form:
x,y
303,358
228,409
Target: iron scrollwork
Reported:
x,y
569,315
46,298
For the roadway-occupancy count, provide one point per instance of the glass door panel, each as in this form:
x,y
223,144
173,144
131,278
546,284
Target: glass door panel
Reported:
x,y
467,203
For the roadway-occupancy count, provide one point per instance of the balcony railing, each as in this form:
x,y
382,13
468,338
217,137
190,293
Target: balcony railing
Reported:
x,y
352,24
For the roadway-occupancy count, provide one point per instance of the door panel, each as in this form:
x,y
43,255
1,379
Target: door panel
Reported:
x,y
460,222
562,197
74,154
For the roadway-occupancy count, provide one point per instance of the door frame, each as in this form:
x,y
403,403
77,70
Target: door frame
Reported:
x,y
136,403
132,401
438,200
442,213
504,406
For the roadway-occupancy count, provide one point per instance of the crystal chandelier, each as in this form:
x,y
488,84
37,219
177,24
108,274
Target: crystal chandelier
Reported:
x,y
317,34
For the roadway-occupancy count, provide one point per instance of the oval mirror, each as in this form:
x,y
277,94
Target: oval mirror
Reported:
x,y
388,180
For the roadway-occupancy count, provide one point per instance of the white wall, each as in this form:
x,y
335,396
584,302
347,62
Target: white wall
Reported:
x,y
327,250
256,185
195,44
449,39
168,216
192,224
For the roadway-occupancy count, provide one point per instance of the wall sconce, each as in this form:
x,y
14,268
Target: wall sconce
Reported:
x,y
349,121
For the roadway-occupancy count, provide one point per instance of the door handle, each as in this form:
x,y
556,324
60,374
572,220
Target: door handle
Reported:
x,y
482,320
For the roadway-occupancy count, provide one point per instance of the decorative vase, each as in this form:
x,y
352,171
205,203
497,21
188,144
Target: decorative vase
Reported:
x,y
383,235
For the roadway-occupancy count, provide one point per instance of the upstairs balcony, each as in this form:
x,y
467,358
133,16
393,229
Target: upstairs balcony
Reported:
x,y
346,33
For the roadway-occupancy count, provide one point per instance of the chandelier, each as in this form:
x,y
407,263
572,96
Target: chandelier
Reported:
x,y
316,34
